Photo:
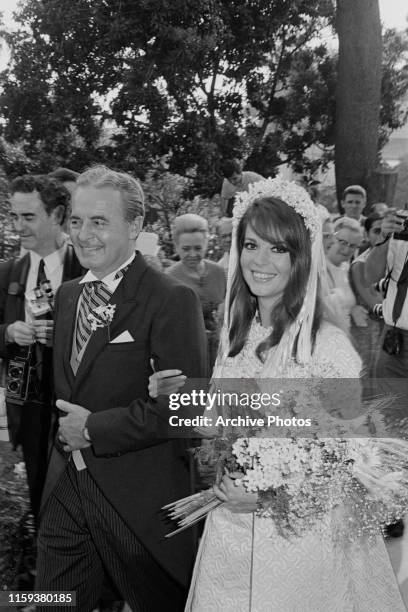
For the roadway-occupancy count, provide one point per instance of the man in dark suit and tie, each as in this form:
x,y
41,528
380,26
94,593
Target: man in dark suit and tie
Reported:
x,y
38,207
103,513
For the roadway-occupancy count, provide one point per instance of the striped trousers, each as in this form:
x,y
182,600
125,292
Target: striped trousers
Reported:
x,y
82,538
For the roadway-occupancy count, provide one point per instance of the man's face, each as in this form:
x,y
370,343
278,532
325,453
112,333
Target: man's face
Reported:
x,y
353,205
236,179
38,231
102,238
374,233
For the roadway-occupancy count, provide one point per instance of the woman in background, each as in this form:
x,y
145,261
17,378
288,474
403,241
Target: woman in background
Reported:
x,y
347,239
190,237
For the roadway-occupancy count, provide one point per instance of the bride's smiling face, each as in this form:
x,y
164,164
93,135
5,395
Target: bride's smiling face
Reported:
x,y
266,267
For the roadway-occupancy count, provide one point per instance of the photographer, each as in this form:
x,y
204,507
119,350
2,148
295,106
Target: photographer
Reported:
x,y
38,207
387,264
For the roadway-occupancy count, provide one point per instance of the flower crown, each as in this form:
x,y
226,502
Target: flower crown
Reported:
x,y
292,194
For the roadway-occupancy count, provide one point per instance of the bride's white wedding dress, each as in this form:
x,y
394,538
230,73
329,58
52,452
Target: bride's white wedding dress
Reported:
x,y
244,565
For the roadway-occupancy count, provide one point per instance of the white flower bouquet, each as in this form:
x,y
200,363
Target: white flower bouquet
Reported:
x,y
302,482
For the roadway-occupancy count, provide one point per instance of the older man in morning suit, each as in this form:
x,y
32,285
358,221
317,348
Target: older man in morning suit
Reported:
x,y
103,514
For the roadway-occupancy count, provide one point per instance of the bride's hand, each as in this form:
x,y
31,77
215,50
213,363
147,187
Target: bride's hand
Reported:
x,y
235,496
165,382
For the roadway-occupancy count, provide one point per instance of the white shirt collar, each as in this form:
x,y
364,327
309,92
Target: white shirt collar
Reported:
x,y
109,280
51,261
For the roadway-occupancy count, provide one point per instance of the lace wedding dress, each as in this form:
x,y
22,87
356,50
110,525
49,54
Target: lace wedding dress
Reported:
x,y
244,565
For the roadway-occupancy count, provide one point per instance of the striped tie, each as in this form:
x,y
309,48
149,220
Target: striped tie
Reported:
x,y
94,294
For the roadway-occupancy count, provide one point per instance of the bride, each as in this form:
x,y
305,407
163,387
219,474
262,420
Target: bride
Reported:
x,y
274,328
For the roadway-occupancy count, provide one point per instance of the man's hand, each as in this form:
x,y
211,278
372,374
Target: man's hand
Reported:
x,y
70,431
43,330
21,333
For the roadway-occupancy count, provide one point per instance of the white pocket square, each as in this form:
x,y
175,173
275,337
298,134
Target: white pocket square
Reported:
x,y
123,337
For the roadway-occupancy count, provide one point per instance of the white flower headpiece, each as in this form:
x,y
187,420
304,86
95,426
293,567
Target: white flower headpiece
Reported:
x,y
292,194
300,330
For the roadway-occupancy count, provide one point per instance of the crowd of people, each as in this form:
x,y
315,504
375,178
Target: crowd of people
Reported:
x,y
89,326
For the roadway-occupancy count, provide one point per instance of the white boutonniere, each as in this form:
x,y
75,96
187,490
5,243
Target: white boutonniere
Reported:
x,y
102,316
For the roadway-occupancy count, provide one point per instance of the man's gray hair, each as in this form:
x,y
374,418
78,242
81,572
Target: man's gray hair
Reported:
x,y
129,188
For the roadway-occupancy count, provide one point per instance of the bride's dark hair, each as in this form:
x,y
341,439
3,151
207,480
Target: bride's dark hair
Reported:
x,y
272,220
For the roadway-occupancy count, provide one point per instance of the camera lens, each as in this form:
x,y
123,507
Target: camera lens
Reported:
x,y
15,372
14,386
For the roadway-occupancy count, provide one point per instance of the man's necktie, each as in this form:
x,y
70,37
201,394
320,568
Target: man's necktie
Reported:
x,y
41,276
94,294
402,287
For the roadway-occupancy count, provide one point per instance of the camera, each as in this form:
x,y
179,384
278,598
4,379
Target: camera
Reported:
x,y
21,379
41,301
393,342
403,234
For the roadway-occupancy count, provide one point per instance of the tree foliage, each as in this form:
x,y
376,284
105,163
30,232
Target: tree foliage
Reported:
x,y
195,80
394,88
202,79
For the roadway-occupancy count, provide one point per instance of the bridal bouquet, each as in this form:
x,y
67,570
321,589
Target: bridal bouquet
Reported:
x,y
303,482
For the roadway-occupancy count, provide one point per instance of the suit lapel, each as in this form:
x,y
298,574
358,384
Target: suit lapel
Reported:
x,y
125,298
67,324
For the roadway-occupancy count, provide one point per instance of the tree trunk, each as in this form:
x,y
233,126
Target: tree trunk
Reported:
x,y
358,92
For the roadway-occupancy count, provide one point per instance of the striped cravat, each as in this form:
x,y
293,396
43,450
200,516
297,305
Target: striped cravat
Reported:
x,y
94,294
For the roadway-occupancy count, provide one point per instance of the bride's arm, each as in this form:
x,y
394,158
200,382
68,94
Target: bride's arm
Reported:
x,y
165,382
340,367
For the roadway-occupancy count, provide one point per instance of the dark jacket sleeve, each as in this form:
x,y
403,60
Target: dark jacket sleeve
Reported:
x,y
178,340
5,270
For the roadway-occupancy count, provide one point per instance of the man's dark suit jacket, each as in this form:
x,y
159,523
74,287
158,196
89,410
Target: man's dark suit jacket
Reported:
x,y
137,469
13,278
